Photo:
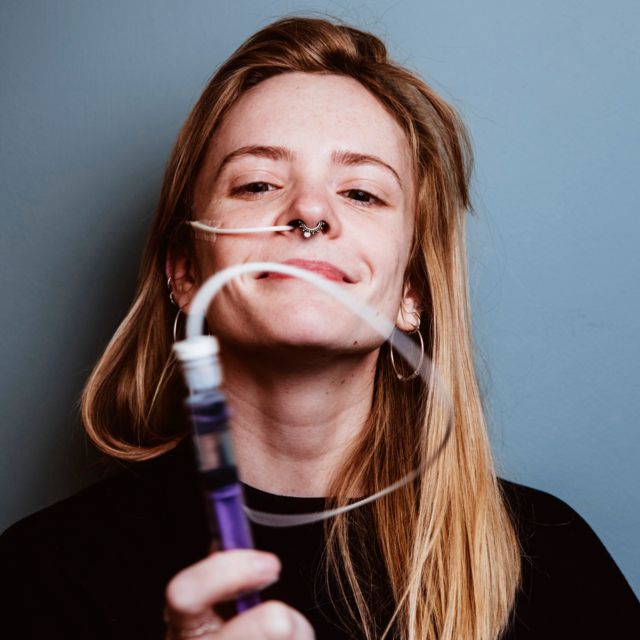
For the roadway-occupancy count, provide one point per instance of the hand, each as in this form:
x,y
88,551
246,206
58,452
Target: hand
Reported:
x,y
191,594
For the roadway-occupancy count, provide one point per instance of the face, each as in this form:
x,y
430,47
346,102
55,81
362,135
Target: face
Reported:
x,y
313,133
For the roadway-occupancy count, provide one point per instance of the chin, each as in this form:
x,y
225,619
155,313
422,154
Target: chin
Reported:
x,y
312,325
297,318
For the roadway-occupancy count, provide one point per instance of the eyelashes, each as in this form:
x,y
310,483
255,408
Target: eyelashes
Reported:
x,y
250,188
254,189
374,200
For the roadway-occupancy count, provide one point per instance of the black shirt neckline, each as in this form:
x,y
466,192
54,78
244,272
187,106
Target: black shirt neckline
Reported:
x,y
275,503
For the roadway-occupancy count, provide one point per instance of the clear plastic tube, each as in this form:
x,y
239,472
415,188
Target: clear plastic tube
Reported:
x,y
217,230
399,341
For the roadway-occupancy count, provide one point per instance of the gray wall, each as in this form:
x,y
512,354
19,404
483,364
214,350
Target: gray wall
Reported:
x,y
93,93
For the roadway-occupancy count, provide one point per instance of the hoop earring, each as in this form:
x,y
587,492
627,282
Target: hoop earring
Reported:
x,y
175,326
416,371
171,298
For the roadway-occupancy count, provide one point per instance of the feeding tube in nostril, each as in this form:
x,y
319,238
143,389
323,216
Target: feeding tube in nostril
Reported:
x,y
218,230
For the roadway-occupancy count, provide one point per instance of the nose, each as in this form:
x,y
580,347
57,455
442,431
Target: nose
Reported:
x,y
310,213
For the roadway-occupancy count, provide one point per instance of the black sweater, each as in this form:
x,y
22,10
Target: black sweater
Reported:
x,y
95,566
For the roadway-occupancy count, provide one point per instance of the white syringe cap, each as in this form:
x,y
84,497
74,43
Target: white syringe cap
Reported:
x,y
198,357
196,348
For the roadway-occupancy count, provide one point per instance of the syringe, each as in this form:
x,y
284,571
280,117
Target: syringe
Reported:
x,y
207,408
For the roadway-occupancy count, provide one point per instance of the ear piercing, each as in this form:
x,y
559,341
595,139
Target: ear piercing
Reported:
x,y
307,232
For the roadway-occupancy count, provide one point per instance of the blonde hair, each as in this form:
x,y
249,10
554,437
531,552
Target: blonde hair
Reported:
x,y
450,553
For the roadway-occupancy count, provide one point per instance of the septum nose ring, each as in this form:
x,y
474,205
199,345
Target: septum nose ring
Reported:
x,y
307,232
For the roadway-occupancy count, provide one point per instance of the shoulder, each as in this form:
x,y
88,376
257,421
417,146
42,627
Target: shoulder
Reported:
x,y
117,513
536,512
130,495
570,582
77,513
548,526
103,555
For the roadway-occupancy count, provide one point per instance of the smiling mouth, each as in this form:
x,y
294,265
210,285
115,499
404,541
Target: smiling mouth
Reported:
x,y
324,269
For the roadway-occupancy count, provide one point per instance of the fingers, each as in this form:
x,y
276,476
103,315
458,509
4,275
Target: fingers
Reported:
x,y
221,576
203,631
268,621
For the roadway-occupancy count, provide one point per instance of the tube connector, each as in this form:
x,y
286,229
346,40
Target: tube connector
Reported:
x,y
198,357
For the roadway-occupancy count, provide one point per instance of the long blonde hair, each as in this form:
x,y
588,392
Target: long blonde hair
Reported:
x,y
450,553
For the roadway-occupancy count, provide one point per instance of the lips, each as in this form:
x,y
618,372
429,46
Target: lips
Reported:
x,y
324,269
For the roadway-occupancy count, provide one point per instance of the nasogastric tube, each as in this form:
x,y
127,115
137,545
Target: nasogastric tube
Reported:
x,y
217,230
398,340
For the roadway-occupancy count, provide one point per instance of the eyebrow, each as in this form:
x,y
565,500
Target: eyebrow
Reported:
x,y
342,157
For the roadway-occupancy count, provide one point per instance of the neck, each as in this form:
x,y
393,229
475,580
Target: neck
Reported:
x,y
294,425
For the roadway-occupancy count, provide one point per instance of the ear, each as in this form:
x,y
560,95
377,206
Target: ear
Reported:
x,y
410,308
180,268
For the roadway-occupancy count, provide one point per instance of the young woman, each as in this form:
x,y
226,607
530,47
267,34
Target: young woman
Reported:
x,y
310,123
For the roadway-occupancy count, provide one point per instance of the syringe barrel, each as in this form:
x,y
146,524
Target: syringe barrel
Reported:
x,y
219,477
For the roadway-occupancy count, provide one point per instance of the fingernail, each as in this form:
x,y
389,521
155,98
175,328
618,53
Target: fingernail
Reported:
x,y
266,565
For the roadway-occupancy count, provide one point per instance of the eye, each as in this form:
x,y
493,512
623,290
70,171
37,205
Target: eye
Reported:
x,y
253,188
363,197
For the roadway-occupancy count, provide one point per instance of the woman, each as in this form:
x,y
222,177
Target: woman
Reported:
x,y
310,123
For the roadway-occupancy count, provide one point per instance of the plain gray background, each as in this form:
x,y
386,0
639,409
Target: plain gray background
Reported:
x,y
93,94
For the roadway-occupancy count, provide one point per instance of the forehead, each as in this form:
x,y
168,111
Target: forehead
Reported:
x,y
313,114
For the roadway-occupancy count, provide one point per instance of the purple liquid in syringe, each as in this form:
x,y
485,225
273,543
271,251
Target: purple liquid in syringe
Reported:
x,y
219,477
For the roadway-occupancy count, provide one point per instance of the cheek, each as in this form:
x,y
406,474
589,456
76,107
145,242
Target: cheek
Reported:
x,y
388,260
389,253
213,256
